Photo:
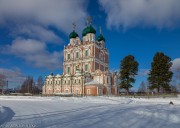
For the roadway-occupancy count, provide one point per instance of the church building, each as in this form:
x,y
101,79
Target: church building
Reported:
x,y
85,67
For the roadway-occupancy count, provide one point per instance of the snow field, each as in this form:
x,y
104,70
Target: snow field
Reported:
x,y
89,112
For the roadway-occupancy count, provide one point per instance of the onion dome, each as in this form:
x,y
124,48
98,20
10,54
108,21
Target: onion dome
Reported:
x,y
90,29
87,30
100,38
73,35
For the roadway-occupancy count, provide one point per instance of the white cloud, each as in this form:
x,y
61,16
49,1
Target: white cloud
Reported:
x,y
176,64
35,52
37,32
31,22
26,47
144,13
57,13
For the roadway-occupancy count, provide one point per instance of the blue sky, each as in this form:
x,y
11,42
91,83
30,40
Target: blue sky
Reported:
x,y
33,33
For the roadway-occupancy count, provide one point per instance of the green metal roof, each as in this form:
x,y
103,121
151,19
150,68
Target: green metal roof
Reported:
x,y
88,29
73,35
100,38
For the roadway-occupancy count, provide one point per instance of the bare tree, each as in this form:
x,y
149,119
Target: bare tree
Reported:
x,y
142,87
2,82
40,83
27,86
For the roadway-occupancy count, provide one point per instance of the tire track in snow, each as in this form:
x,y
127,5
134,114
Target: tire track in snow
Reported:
x,y
59,114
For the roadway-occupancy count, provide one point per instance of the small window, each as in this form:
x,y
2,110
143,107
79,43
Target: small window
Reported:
x,y
86,53
68,70
77,54
68,56
101,57
86,67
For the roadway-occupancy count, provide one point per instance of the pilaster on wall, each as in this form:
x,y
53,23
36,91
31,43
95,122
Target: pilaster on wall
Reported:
x,y
94,60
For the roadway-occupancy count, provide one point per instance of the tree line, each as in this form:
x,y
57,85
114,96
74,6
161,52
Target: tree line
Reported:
x,y
30,86
159,76
3,82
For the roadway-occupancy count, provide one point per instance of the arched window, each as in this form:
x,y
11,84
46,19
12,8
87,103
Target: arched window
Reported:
x,y
68,70
86,67
107,80
68,56
77,55
86,53
101,56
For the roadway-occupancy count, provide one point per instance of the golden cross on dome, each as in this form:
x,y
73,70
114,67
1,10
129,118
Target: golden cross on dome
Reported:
x,y
100,29
89,20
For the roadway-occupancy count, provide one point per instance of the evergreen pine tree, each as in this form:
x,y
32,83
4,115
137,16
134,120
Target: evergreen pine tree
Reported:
x,y
128,70
160,74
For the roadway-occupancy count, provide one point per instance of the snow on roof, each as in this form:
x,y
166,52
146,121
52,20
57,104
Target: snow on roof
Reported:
x,y
58,75
93,82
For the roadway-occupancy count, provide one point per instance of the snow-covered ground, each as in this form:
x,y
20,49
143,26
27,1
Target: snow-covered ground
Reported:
x,y
74,112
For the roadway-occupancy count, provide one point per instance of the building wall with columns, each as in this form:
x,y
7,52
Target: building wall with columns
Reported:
x,y
85,68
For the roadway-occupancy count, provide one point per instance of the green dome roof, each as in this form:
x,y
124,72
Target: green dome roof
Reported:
x,y
73,35
84,31
88,29
100,38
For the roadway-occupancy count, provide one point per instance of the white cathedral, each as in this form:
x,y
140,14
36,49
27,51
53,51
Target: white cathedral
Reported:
x,y
86,67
